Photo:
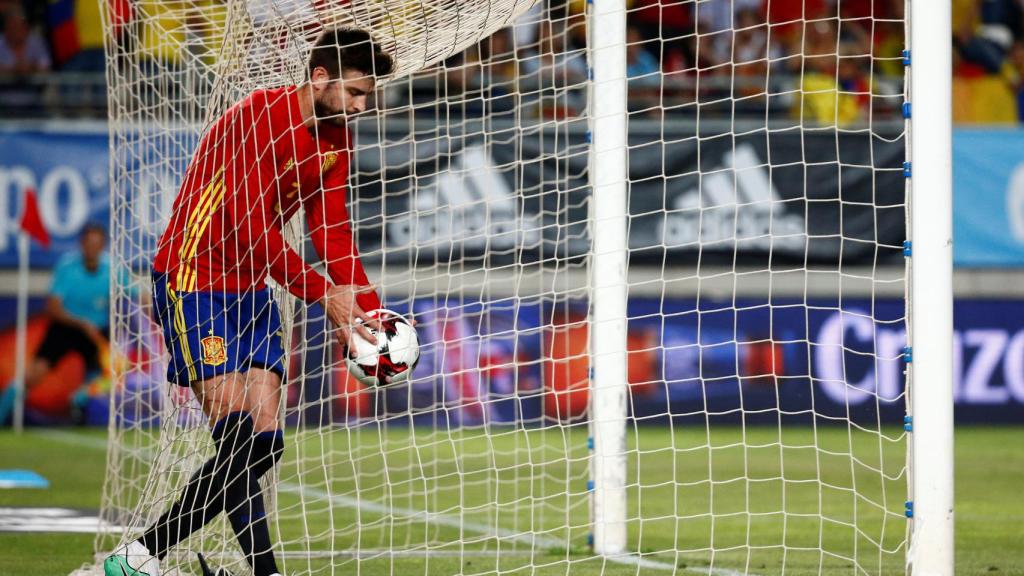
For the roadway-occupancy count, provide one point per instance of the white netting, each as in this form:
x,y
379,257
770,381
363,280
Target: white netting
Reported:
x,y
766,317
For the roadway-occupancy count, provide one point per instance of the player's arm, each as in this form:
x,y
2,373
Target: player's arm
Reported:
x,y
331,232
255,196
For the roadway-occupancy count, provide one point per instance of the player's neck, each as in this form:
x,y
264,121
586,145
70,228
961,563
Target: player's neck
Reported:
x,y
305,96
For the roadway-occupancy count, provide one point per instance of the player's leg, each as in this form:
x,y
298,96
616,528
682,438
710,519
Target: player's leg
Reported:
x,y
243,496
249,400
204,496
243,413
242,407
259,344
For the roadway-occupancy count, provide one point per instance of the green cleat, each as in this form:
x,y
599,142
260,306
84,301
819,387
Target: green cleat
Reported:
x,y
131,560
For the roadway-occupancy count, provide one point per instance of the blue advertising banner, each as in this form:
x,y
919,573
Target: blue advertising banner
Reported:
x,y
822,361
69,171
988,200
508,362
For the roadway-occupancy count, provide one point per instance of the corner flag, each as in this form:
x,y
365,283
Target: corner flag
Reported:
x,y
31,222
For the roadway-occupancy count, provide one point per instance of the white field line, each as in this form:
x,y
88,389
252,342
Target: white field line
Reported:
x,y
535,540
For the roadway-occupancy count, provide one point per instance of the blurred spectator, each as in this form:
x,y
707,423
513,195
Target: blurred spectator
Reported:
x,y
985,77
162,32
664,20
738,44
713,50
22,50
823,100
1006,14
460,91
76,32
670,24
1017,77
751,53
500,55
79,310
984,34
639,62
553,60
751,37
789,18
204,26
854,83
174,29
499,71
888,41
553,74
524,31
823,104
717,15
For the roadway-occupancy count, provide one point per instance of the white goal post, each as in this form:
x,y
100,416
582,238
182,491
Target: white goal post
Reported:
x,y
609,281
682,271
931,549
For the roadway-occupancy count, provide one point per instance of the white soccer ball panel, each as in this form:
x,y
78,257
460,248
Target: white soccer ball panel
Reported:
x,y
361,350
404,346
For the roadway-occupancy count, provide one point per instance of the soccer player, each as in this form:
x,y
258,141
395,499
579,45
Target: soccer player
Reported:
x,y
268,155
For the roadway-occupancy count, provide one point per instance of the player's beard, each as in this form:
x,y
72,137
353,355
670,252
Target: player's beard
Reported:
x,y
324,113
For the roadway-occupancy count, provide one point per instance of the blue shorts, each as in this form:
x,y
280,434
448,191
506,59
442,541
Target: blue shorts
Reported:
x,y
213,333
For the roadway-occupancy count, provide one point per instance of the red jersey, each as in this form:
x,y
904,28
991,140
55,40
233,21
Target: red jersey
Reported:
x,y
252,171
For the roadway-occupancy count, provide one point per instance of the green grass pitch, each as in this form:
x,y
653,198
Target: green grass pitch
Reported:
x,y
465,471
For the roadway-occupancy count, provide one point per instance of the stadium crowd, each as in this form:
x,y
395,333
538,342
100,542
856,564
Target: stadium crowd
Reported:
x,y
822,60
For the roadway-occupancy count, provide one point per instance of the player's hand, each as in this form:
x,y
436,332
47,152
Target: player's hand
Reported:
x,y
340,305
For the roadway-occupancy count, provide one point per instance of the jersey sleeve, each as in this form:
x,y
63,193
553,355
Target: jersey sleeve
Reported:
x,y
251,176
331,232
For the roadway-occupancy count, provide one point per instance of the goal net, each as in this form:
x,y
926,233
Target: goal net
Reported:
x,y
655,251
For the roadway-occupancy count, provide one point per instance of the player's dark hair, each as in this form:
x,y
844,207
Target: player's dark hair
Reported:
x,y
349,49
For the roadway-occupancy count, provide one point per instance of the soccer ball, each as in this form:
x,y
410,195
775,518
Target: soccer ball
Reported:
x,y
392,358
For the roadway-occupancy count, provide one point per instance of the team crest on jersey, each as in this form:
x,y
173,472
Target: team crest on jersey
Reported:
x,y
330,159
214,351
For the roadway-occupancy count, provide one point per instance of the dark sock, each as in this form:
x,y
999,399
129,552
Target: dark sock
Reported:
x,y
203,496
245,508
